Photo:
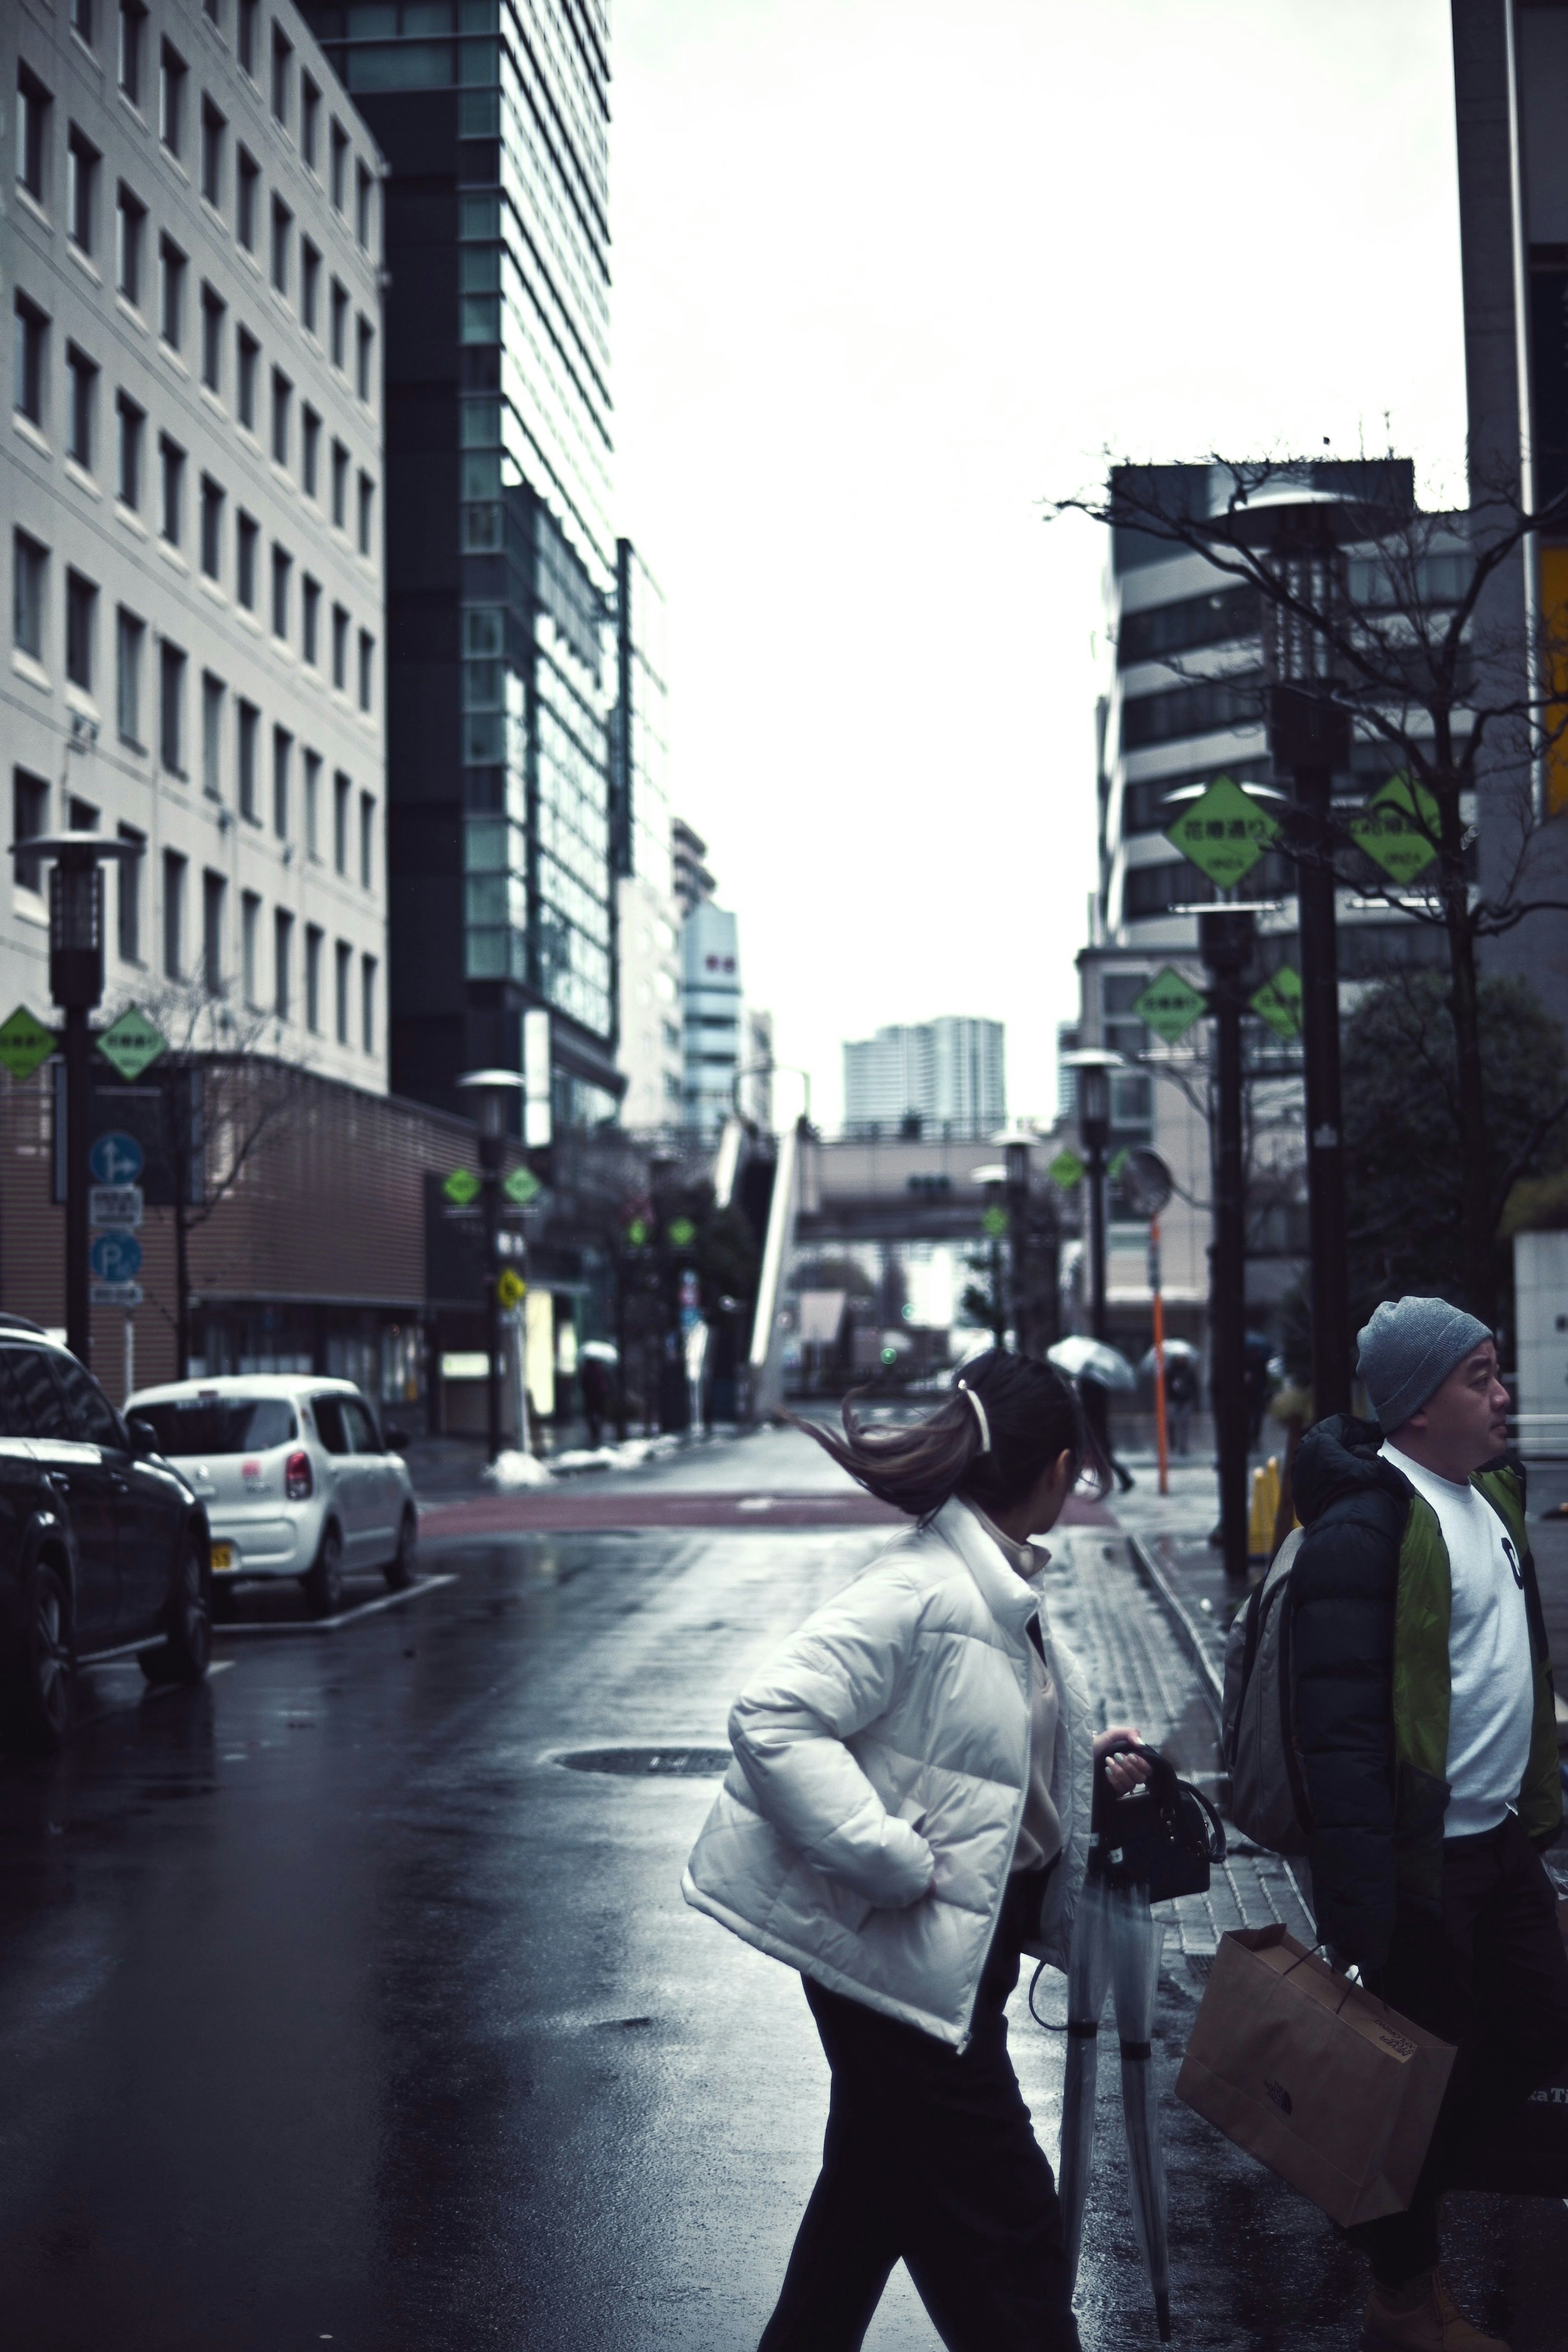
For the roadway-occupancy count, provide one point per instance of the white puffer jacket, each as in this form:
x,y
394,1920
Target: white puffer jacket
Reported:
x,y
890,1737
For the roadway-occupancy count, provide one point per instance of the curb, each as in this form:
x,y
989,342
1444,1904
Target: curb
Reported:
x,y
1191,1631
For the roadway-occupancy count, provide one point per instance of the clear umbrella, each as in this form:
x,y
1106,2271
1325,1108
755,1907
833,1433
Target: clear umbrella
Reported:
x,y
1078,1355
1088,1976
1135,1938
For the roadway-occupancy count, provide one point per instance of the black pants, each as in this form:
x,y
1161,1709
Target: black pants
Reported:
x,y
1491,1976
929,2156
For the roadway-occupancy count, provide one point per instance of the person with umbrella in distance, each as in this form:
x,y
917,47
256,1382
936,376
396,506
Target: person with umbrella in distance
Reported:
x,y
908,1811
1097,1369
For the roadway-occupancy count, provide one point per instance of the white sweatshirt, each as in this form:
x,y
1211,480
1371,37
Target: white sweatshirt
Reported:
x,y
1491,1708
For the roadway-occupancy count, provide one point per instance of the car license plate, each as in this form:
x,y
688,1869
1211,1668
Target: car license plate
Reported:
x,y
223,1560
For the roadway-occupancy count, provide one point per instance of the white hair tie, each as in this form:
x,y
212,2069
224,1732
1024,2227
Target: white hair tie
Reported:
x,y
979,1416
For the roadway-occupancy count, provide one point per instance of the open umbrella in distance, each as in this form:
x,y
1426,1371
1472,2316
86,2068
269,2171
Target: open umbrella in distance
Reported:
x,y
1080,1357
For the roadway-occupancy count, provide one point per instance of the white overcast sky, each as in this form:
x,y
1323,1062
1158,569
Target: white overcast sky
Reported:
x,y
889,273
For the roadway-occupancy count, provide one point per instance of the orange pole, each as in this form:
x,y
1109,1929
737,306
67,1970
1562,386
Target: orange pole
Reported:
x,y
1159,1355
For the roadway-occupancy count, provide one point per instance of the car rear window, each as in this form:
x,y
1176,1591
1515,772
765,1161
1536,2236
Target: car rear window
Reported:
x,y
229,1424
31,1404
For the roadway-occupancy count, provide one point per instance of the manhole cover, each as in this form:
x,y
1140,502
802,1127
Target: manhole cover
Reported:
x,y
669,1763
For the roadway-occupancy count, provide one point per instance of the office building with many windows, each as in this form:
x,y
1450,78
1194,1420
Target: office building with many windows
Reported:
x,y
192,495
493,115
929,1077
647,917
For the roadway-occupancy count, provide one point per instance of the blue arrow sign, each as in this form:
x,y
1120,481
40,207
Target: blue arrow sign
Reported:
x,y
116,1258
116,1158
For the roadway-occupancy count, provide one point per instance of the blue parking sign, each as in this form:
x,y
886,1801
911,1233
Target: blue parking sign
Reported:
x,y
116,1258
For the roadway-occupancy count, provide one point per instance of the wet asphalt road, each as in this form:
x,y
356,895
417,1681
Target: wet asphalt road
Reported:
x,y
335,2008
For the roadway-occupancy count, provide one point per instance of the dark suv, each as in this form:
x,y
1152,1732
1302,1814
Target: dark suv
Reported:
x,y
103,1546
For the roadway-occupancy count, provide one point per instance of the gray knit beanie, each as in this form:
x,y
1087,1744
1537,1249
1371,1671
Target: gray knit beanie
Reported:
x,y
1407,1351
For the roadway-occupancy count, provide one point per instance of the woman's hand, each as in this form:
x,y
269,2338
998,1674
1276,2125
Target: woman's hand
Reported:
x,y
1122,1772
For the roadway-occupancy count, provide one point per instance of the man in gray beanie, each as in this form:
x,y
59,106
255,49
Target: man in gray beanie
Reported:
x,y
1427,1725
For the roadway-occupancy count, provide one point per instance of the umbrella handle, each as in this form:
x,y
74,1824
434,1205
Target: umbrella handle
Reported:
x,y
1049,2024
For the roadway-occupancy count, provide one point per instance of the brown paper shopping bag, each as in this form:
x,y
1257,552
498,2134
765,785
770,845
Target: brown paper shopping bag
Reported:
x,y
1309,2073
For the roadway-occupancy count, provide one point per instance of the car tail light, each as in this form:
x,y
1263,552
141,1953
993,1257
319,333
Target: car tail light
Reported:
x,y
298,1483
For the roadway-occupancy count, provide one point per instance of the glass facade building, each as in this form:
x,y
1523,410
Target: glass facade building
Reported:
x,y
503,676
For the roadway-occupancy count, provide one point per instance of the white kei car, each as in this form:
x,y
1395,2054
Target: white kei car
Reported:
x,y
294,1476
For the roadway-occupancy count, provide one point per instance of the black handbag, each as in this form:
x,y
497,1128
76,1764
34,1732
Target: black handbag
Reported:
x,y
1163,1837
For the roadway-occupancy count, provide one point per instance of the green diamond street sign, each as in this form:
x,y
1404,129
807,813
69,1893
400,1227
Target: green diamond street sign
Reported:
x,y
1170,1006
1066,1169
1399,827
1223,833
461,1187
521,1187
132,1043
24,1044
995,1222
1278,1003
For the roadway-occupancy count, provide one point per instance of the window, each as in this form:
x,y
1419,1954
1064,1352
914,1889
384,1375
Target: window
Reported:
x,y
213,313
81,815
367,1004
212,528
213,128
246,535
339,166
249,355
173,915
364,354
250,946
282,959
367,512
81,20
130,217
130,638
30,572
172,499
30,818
313,936
339,650
83,377
81,625
131,422
172,708
215,890
339,324
282,755
212,693
132,25
245,34
32,134
249,737
310,620
282,394
282,223
313,807
310,450
340,486
282,565
82,191
363,185
131,895
245,188
309,118
344,958
309,284
32,345
367,838
171,293
341,791
170,99
367,668
282,52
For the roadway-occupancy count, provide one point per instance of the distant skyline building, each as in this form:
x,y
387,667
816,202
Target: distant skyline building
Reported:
x,y
943,1077
711,1015
693,881
502,559
647,917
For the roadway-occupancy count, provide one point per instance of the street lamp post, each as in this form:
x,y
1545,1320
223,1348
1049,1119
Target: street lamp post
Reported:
x,y
76,984
1095,1065
1226,937
494,1091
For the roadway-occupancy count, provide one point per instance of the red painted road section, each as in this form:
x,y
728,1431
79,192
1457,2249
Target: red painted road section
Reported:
x,y
557,1510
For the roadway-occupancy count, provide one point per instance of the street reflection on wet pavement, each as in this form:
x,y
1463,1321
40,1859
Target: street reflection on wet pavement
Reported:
x,y
336,2009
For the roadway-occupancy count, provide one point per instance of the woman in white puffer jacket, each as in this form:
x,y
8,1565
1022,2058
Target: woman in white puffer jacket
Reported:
x,y
907,1813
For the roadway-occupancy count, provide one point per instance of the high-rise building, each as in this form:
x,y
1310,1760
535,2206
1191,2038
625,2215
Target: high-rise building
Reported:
x,y
192,494
647,917
934,1077
501,559
711,1015
688,851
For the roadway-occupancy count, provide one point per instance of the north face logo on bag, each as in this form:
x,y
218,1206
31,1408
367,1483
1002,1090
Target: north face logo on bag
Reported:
x,y
1279,2096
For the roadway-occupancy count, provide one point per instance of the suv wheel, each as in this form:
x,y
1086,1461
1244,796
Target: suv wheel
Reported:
x,y
40,1684
187,1651
403,1565
323,1581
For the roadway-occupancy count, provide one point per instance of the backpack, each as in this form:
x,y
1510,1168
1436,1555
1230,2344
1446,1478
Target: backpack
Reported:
x,y
1258,1739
